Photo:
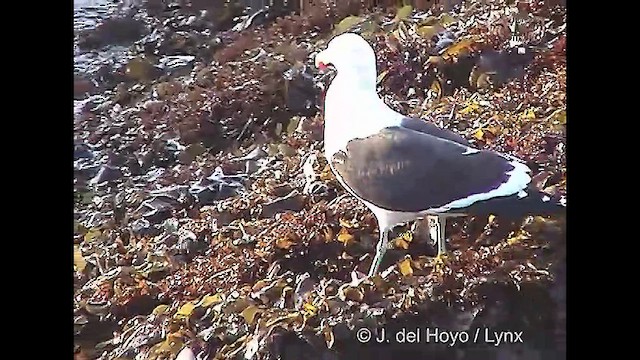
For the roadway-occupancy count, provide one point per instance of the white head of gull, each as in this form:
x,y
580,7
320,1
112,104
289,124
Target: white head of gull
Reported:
x,y
405,168
352,94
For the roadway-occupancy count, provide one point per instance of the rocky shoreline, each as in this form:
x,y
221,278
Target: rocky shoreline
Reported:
x,y
207,224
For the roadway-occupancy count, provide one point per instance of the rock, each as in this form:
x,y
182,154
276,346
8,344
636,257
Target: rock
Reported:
x,y
85,169
141,227
112,31
503,65
168,89
158,208
292,202
157,216
141,69
253,160
301,91
177,65
154,106
82,88
82,151
190,153
107,173
218,186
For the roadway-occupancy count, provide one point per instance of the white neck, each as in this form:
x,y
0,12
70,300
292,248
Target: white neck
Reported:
x,y
353,110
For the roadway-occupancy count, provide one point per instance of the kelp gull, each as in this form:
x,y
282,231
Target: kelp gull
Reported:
x,y
405,168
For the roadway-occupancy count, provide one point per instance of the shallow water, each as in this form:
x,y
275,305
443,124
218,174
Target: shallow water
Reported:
x,y
87,14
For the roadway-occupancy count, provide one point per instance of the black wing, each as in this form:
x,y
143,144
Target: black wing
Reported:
x,y
401,169
426,127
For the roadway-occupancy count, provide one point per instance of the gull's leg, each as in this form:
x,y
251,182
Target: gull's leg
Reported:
x,y
381,248
437,225
442,243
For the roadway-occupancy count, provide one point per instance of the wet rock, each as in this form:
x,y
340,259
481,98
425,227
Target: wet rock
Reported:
x,y
174,146
218,186
157,216
292,202
141,227
82,151
204,195
301,91
171,225
161,204
190,153
161,154
444,41
82,88
253,160
167,89
155,7
157,204
98,308
281,190
187,246
256,18
95,220
112,31
177,65
154,106
133,165
115,158
107,173
141,69
78,323
140,305
153,174
96,103
502,65
95,330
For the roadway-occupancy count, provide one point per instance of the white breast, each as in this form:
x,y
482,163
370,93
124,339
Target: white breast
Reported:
x,y
353,113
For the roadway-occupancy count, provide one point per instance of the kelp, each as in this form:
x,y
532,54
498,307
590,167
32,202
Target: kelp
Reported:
x,y
208,224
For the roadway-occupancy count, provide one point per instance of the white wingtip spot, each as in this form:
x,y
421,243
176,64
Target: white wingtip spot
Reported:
x,y
518,180
546,198
470,151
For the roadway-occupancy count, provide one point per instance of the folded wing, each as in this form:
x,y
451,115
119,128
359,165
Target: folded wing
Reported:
x,y
401,169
